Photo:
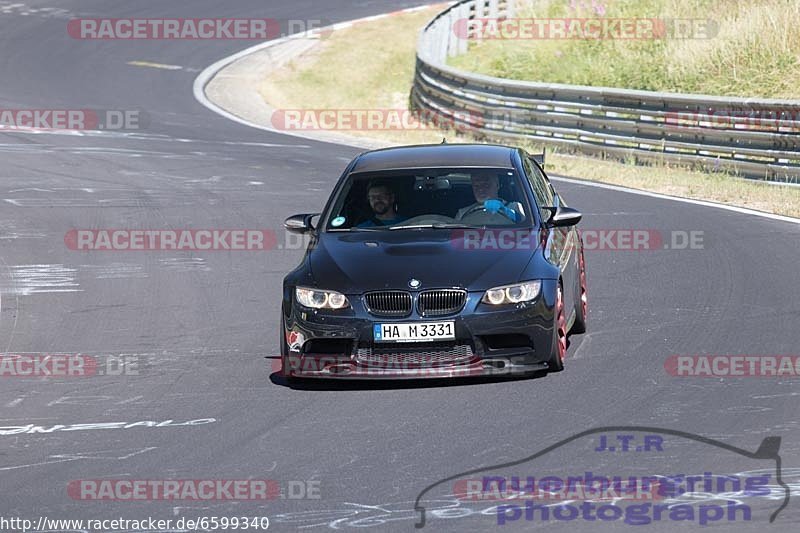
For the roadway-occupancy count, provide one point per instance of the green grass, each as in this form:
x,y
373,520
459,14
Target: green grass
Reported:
x,y
754,52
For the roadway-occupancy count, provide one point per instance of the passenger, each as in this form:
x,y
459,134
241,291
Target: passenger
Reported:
x,y
486,189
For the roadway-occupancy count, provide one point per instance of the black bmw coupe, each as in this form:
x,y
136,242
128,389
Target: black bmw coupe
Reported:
x,y
435,261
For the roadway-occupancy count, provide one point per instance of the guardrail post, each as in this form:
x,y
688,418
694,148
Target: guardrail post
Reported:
x,y
494,9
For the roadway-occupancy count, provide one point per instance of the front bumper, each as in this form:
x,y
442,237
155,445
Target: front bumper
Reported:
x,y
490,341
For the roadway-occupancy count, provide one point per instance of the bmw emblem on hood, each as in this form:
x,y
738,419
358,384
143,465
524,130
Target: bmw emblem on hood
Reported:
x,y
414,283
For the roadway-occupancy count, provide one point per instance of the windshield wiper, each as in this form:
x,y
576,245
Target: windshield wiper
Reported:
x,y
376,228
441,225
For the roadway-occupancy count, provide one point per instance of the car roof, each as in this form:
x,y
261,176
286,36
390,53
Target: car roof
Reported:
x,y
435,155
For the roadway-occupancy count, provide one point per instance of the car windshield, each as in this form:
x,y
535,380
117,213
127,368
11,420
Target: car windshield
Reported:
x,y
429,198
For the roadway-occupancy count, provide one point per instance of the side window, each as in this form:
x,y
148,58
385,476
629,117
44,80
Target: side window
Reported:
x,y
552,192
541,189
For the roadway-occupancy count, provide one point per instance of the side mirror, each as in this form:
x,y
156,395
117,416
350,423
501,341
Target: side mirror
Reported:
x,y
300,223
565,216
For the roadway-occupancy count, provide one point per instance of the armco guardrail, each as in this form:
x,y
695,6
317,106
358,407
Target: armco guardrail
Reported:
x,y
754,138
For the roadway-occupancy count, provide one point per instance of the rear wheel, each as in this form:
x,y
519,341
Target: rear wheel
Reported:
x,y
582,305
559,350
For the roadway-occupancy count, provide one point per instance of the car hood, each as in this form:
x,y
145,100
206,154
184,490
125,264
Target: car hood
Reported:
x,y
357,262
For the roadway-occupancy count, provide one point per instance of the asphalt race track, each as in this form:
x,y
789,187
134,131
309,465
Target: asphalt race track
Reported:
x,y
201,328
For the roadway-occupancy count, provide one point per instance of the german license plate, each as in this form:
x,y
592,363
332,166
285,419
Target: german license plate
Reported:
x,y
415,331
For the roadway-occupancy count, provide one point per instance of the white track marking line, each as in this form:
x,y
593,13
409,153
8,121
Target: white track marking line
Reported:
x,y
704,203
151,64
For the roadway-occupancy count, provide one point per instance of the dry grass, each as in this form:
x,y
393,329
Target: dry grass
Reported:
x,y
357,68
762,196
362,68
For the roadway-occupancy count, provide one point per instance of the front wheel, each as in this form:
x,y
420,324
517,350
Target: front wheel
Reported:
x,y
285,363
559,349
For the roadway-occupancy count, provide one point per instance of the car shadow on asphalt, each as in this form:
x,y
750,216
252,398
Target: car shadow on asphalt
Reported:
x,y
334,384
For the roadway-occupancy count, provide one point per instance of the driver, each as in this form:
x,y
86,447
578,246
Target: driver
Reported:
x,y
381,199
486,188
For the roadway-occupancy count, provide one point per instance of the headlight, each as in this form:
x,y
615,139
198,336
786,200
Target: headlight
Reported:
x,y
317,299
513,294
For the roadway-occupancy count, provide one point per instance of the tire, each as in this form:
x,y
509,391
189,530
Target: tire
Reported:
x,y
284,352
582,305
559,348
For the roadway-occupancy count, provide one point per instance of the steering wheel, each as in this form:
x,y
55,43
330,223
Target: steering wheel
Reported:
x,y
482,207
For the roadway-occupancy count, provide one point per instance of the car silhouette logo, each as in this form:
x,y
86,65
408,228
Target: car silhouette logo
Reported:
x,y
768,450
